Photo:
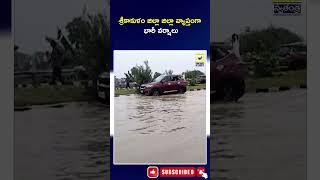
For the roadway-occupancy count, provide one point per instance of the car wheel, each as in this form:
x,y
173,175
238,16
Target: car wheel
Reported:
x,y
241,89
156,92
233,90
182,90
228,92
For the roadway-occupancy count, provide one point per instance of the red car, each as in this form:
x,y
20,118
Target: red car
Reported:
x,y
295,60
293,55
228,73
165,84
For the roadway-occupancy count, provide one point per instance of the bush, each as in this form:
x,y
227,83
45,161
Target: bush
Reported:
x,y
265,63
192,82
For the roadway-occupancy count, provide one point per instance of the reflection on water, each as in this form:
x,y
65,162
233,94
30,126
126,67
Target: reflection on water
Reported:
x,y
262,137
150,115
167,120
62,142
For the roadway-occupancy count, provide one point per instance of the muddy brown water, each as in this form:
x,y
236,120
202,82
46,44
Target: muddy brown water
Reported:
x,y
168,129
62,142
262,137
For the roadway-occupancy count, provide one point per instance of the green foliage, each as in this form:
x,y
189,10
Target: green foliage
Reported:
x,y
129,77
89,35
86,44
260,47
265,63
192,82
168,72
141,73
156,74
193,74
268,39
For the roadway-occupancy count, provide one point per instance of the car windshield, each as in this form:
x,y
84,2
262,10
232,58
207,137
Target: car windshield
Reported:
x,y
158,79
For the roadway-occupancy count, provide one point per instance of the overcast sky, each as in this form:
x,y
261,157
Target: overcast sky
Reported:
x,y
159,61
232,16
36,18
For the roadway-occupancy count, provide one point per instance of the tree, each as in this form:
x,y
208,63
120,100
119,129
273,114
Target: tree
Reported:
x,y
141,73
56,59
168,72
89,34
129,78
156,74
269,39
193,74
86,44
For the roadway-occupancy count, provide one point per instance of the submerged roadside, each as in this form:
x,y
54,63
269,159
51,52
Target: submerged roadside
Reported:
x,y
67,93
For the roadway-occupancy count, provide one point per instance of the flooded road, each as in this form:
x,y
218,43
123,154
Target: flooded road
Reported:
x,y
168,129
62,142
262,137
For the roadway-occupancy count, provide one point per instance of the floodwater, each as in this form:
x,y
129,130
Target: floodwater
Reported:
x,y
68,142
168,129
262,137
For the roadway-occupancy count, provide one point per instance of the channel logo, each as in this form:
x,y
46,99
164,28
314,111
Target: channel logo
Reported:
x,y
287,7
200,59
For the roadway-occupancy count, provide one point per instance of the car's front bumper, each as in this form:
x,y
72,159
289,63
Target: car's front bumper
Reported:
x,y
145,91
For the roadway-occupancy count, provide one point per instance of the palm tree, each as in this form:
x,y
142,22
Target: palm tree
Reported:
x,y
61,53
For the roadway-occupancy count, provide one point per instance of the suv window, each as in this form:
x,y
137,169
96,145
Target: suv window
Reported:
x,y
167,78
176,78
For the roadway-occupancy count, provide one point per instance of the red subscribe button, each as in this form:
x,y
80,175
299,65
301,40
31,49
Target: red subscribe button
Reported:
x,y
178,172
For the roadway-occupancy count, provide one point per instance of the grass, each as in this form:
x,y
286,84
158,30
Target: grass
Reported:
x,y
290,78
123,91
195,87
49,95
60,94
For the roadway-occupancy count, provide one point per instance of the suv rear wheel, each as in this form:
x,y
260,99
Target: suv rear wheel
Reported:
x,y
182,90
233,90
156,92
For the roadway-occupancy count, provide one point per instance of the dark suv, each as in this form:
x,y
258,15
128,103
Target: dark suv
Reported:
x,y
165,84
228,74
103,87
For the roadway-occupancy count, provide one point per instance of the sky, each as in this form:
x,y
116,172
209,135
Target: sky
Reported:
x,y
232,16
36,18
159,61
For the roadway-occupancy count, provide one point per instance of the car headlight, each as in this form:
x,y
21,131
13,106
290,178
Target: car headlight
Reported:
x,y
148,86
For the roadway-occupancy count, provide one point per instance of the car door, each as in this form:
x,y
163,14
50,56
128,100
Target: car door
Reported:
x,y
166,83
174,83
